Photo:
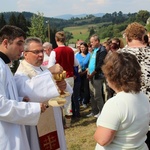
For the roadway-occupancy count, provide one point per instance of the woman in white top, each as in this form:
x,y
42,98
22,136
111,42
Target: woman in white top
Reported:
x,y
124,120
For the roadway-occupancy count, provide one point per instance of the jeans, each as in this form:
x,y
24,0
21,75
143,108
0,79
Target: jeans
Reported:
x,y
75,99
84,90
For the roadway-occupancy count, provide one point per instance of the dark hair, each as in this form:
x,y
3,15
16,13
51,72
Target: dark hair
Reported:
x,y
118,41
114,46
10,33
86,46
146,40
123,70
89,44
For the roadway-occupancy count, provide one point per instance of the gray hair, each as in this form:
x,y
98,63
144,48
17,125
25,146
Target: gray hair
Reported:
x,y
47,45
29,40
96,37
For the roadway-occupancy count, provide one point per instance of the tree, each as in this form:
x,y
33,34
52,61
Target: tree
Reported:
x,y
68,36
91,32
38,28
2,21
12,20
148,24
142,16
52,35
21,22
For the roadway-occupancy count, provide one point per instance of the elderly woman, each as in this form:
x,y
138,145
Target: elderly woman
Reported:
x,y
124,120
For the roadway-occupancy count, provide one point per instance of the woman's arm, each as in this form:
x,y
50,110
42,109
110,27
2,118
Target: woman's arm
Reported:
x,y
104,136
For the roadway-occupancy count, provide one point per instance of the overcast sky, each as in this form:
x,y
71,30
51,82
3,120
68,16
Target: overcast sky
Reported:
x,y
52,8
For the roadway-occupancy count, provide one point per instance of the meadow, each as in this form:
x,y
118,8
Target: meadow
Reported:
x,y
80,135
80,32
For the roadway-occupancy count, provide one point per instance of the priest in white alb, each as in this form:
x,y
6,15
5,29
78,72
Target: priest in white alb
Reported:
x,y
36,81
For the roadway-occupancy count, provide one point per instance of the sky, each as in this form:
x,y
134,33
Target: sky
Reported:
x,y
53,8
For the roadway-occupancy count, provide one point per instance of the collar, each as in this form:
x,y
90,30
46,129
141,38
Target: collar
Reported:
x,y
34,67
96,49
4,58
61,45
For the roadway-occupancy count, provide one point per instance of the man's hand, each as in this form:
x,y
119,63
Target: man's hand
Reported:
x,y
61,85
56,69
43,107
25,99
90,76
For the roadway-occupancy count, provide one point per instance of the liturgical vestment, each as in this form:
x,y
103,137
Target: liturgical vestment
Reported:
x,y
14,114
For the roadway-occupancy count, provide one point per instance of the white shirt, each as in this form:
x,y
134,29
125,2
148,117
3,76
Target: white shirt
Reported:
x,y
128,114
45,61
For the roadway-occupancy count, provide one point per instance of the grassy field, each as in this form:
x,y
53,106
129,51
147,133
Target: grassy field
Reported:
x,y
80,32
80,135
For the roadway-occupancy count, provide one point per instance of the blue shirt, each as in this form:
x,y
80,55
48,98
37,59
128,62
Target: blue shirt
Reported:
x,y
83,61
92,62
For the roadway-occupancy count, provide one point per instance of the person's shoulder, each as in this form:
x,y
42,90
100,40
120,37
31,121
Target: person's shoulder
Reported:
x,y
88,54
77,54
69,48
55,49
102,49
2,63
147,48
74,49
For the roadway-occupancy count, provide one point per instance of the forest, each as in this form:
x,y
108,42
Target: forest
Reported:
x,y
107,26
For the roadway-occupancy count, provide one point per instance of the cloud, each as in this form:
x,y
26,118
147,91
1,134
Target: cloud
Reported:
x,y
52,8
24,5
99,2
30,5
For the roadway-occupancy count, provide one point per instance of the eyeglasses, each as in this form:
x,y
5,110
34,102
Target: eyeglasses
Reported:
x,y
36,52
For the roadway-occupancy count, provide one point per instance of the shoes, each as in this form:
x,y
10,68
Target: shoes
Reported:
x,y
90,115
84,106
97,115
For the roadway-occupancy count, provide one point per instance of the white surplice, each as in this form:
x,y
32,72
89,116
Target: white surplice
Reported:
x,y
14,114
39,87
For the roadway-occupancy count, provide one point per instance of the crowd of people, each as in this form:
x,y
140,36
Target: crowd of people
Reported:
x,y
111,78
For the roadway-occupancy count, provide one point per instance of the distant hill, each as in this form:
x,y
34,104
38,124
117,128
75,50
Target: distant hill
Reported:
x,y
69,16
59,21
28,15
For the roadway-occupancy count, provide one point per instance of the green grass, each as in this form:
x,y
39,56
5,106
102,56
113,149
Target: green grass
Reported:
x,y
80,32
80,135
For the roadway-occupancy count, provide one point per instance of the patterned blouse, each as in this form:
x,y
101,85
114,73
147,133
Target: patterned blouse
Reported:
x,y
143,56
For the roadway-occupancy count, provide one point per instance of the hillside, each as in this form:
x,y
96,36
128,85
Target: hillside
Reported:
x,y
82,32
107,26
69,16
